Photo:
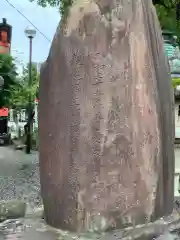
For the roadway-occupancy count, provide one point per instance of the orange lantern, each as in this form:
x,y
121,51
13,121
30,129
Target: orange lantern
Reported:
x,y
5,37
4,112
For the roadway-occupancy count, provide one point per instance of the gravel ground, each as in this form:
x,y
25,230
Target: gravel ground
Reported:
x,y
19,176
19,179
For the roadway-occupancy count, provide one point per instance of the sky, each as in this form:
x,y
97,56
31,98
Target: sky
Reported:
x,y
45,19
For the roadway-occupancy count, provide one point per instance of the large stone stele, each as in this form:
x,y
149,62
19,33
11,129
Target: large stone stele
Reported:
x,y
106,122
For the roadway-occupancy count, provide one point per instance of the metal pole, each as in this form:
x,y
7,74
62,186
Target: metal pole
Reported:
x,y
29,124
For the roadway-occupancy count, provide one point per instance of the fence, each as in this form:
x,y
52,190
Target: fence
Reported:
x,y
17,120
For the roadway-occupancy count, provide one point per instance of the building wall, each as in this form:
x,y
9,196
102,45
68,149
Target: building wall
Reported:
x,y
177,120
177,170
177,149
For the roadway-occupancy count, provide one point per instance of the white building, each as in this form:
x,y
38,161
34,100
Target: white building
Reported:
x,y
38,66
177,146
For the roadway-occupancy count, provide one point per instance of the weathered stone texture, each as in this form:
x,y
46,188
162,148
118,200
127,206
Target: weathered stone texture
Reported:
x,y
106,122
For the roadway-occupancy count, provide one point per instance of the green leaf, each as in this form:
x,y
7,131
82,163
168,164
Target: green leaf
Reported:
x,y
8,72
22,90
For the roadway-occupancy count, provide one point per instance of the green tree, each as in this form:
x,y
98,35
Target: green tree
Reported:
x,y
21,91
168,11
63,5
8,72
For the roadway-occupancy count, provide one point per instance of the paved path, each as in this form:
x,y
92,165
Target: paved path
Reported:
x,y
11,160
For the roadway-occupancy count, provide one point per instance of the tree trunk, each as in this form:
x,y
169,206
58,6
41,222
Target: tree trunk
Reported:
x,y
106,119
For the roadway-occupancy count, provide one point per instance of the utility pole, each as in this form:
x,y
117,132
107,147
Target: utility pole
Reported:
x,y
30,33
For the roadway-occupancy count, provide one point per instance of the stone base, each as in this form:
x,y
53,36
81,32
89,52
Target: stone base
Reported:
x,y
12,209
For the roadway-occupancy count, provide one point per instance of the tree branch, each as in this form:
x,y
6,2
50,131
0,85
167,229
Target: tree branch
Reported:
x,y
162,3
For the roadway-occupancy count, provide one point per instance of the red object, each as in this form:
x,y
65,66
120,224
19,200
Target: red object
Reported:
x,y
4,45
4,112
5,37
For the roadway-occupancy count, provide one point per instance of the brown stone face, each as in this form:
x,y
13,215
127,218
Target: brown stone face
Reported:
x,y
106,118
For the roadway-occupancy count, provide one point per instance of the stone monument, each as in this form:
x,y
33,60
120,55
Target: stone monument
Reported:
x,y
106,119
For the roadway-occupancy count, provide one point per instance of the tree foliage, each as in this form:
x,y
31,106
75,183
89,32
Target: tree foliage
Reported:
x,y
168,12
175,82
63,5
9,74
15,92
21,92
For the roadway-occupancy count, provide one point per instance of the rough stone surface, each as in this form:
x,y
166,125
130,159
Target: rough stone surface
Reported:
x,y
106,118
12,209
168,236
